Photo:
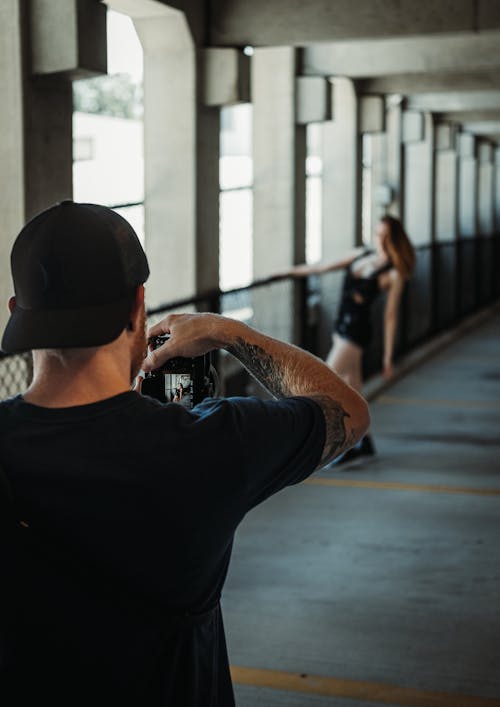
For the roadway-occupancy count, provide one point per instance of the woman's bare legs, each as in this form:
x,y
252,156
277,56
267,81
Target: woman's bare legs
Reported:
x,y
346,359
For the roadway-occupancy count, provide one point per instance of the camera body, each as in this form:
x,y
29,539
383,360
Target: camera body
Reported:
x,y
186,381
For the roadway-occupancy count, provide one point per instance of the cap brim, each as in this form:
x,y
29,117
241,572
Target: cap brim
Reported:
x,y
66,328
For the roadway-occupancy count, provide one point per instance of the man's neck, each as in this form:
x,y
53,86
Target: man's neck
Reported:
x,y
58,384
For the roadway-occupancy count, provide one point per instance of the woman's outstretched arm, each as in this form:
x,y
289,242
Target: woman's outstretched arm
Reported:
x,y
318,268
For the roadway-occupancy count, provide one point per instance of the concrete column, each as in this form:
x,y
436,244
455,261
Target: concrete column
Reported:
x,y
279,146
468,191
446,226
497,190
418,135
381,194
341,216
181,153
468,222
11,143
486,173
395,152
372,125
419,181
37,63
445,195
341,196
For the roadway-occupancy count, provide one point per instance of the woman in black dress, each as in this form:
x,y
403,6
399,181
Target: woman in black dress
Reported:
x,y
367,274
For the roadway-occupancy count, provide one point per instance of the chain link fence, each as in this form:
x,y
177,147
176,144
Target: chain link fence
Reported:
x,y
15,374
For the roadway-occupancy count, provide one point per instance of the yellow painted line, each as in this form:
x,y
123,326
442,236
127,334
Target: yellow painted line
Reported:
x,y
433,402
356,689
395,486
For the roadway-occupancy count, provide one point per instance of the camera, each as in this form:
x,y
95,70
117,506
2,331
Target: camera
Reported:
x,y
186,381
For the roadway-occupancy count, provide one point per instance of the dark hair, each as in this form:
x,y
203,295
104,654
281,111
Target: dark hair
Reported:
x,y
398,247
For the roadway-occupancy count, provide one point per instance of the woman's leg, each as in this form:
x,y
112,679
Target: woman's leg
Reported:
x,y
346,359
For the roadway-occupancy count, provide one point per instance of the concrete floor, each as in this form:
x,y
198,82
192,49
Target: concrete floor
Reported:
x,y
383,585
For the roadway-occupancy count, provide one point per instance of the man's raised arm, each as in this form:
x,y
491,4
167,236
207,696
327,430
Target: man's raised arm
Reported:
x,y
283,369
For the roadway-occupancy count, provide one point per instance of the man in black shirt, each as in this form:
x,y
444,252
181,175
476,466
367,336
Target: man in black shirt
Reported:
x,y
125,508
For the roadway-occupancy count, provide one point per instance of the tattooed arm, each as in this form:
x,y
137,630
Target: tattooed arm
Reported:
x,y
283,369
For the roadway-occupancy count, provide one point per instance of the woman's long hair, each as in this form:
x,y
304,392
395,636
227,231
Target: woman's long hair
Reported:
x,y
398,247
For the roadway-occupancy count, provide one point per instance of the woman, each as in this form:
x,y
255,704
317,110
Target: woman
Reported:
x,y
368,273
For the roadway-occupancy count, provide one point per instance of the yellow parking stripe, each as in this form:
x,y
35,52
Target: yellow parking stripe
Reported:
x,y
357,690
435,402
395,486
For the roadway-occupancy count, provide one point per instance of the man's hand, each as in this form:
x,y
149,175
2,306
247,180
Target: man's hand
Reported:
x,y
191,335
283,369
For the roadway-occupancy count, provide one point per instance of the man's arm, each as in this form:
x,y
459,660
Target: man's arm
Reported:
x,y
283,369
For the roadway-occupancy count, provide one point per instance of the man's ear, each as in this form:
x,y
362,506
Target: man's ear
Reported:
x,y
137,309
12,304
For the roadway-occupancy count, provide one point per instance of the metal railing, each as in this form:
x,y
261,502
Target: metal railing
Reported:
x,y
452,280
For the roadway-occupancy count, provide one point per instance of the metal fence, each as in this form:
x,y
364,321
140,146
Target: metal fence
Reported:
x,y
451,281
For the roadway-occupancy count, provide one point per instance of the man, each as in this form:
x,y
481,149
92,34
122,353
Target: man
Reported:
x,y
125,508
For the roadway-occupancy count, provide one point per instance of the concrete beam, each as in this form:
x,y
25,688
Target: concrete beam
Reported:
x,y
412,55
193,10
466,146
470,116
409,84
314,102
413,127
486,127
227,77
372,114
80,49
259,23
455,101
445,136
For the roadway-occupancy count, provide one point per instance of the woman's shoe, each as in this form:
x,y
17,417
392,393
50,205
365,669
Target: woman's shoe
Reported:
x,y
363,448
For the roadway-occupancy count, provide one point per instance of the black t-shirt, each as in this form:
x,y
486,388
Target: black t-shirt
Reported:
x,y
132,507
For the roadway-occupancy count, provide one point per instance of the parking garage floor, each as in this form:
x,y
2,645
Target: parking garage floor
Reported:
x,y
379,582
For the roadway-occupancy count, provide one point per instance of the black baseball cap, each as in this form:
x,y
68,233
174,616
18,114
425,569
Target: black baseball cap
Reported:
x,y
76,269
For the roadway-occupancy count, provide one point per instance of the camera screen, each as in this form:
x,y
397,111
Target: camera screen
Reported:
x,y
179,389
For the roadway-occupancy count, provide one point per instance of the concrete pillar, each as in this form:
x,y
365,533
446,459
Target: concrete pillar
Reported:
x,y
181,154
341,196
395,172
486,273
341,215
468,222
445,195
419,180
372,125
37,63
279,146
486,173
418,218
11,143
446,226
497,190
468,191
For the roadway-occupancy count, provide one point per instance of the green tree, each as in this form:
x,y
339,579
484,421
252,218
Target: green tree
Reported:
x,y
116,95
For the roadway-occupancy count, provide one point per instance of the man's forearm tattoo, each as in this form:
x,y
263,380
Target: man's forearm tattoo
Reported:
x,y
264,367
261,365
336,439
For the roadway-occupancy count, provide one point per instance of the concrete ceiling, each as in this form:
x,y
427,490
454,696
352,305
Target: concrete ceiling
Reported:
x,y
300,23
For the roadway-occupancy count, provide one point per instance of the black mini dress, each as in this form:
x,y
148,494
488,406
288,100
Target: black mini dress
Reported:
x,y
358,294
